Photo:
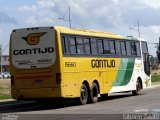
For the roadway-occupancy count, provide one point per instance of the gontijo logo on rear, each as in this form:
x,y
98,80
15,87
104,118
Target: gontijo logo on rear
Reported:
x,y
33,49
33,38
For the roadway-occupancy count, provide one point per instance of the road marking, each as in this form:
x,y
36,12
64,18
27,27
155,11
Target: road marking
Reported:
x,y
156,111
155,86
141,110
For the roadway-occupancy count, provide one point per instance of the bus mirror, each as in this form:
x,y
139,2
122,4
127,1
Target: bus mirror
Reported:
x,y
151,60
158,55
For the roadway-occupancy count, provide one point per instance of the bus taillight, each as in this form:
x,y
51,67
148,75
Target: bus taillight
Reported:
x,y
58,78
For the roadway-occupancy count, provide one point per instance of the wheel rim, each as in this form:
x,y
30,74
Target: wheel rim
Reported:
x,y
94,92
84,95
138,86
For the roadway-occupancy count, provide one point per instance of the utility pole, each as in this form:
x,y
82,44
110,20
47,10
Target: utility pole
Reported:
x,y
158,52
157,61
69,17
1,59
1,53
138,28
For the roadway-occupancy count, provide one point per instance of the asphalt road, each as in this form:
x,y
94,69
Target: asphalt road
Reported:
x,y
118,106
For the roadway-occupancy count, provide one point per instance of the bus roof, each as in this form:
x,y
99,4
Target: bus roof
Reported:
x,y
134,38
87,32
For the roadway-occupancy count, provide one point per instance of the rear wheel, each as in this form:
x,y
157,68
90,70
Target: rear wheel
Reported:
x,y
83,95
138,88
94,93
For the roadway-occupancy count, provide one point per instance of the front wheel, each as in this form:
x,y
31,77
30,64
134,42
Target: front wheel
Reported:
x,y
138,88
94,93
83,94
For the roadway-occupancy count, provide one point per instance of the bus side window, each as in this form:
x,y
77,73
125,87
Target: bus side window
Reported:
x,y
93,47
112,47
123,48
118,47
87,47
65,45
106,46
138,48
128,47
100,46
72,45
144,47
133,48
79,43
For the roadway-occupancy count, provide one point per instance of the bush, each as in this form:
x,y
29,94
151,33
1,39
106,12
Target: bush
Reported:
x,y
155,78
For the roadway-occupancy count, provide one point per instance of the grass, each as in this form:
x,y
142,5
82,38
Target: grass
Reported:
x,y
5,89
155,78
5,97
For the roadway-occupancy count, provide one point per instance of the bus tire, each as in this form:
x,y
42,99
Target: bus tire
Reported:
x,y
94,93
138,88
83,95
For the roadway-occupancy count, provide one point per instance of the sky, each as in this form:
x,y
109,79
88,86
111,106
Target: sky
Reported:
x,y
116,16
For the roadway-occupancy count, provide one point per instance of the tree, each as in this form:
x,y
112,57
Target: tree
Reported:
x,y
158,52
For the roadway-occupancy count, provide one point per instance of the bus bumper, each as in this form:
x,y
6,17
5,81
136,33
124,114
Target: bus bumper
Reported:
x,y
36,93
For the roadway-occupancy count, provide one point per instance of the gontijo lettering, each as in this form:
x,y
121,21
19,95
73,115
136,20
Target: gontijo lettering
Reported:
x,y
102,63
33,51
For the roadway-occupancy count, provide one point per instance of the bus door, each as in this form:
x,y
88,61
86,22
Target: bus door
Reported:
x,y
146,60
146,63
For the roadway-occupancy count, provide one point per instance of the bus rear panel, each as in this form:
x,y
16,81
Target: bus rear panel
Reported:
x,y
34,65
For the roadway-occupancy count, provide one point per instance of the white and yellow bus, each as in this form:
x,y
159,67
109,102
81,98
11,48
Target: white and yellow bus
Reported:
x,y
57,62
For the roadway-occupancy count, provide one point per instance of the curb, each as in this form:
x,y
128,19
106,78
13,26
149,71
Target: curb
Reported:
x,y
155,85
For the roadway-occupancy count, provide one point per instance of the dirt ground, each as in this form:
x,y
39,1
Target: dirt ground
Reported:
x,y
5,87
155,72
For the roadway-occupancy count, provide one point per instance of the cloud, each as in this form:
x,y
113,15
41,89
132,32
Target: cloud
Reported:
x,y
39,14
31,21
152,3
5,18
93,13
106,15
1,32
147,15
82,14
155,29
46,4
26,8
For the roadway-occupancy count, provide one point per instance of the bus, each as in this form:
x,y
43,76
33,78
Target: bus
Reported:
x,y
58,62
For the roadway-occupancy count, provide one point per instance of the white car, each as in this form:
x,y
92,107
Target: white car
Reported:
x,y
4,75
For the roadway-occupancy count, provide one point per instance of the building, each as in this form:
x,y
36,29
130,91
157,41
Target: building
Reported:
x,y
4,63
